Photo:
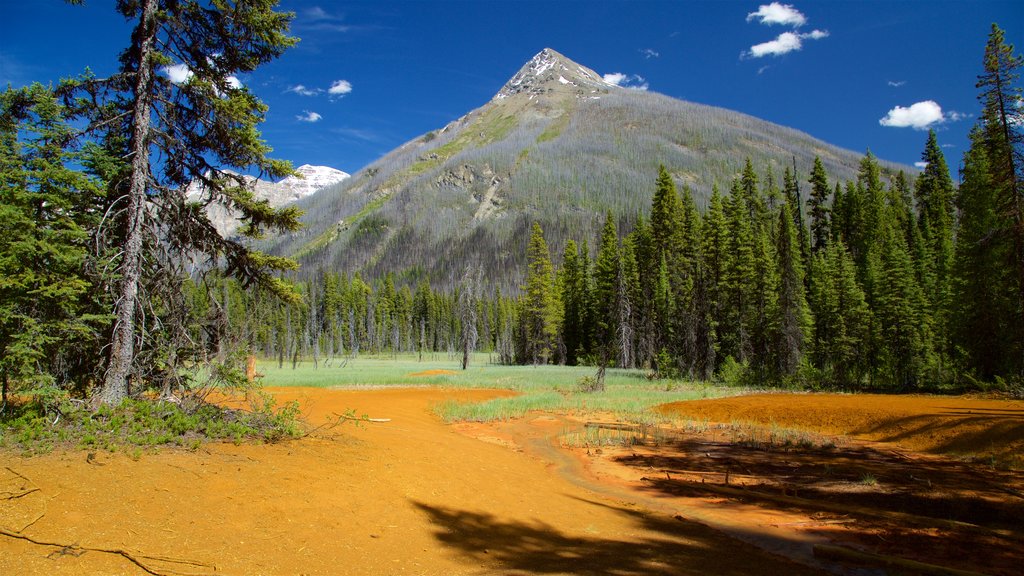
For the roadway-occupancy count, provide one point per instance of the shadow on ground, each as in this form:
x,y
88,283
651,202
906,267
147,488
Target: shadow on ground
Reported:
x,y
661,546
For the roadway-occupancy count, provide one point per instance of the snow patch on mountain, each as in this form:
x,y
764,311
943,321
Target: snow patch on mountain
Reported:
x,y
312,179
307,181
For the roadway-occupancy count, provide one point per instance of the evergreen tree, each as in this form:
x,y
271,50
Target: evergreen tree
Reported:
x,y
981,305
1002,125
819,212
541,313
842,318
899,309
573,288
49,316
934,192
738,298
794,316
177,134
606,286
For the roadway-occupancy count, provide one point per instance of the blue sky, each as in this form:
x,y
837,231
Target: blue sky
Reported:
x,y
838,70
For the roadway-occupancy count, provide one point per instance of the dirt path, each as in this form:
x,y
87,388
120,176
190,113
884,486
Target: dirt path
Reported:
x,y
410,496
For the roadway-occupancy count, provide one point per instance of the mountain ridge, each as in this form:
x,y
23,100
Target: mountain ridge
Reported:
x,y
308,180
556,144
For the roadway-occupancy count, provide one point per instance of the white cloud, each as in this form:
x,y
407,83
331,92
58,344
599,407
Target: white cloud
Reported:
x,y
776,13
308,116
340,88
303,91
918,116
178,74
181,74
631,81
921,165
897,83
785,43
650,53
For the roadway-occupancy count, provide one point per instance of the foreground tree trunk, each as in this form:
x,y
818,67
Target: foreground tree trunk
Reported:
x,y
122,343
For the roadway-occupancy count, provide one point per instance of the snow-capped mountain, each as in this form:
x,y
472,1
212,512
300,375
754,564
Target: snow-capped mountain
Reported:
x,y
549,71
309,180
556,145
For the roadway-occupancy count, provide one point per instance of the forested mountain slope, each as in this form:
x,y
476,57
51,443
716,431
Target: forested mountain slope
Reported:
x,y
557,145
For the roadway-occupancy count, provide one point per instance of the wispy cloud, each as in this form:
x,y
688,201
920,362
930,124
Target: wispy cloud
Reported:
x,y
783,44
631,81
303,91
921,165
340,88
649,53
776,13
308,116
358,134
316,18
919,116
15,72
897,83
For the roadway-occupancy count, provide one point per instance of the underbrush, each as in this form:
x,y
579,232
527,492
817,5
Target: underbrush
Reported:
x,y
34,426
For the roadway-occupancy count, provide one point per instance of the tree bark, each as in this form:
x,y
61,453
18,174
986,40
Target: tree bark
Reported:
x,y
122,343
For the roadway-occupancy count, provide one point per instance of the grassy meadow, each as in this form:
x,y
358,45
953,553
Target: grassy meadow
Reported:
x,y
628,393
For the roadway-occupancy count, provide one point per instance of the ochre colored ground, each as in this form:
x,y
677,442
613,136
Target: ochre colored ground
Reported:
x,y
435,372
954,426
415,496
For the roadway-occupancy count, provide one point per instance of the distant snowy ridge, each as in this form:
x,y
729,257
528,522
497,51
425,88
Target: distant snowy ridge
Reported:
x,y
313,179
309,180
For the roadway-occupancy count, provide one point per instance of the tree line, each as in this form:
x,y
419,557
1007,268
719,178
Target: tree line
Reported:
x,y
114,283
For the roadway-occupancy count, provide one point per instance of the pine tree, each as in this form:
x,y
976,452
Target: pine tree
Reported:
x,y
981,306
572,286
738,298
819,212
49,317
541,315
606,285
196,128
794,316
934,192
842,318
1002,124
904,329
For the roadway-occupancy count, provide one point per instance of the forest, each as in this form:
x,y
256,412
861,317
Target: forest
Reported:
x,y
115,284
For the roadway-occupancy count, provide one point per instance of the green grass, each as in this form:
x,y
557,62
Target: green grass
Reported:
x,y
138,424
628,394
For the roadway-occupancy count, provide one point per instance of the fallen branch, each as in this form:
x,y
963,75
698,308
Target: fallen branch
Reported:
x,y
134,558
16,495
844,554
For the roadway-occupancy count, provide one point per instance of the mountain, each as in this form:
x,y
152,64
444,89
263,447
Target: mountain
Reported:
x,y
308,180
556,144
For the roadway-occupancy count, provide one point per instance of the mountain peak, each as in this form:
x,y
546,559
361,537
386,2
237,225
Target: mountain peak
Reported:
x,y
550,71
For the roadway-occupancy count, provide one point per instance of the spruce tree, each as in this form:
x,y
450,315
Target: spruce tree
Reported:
x,y
817,204
982,301
177,134
50,309
794,321
1002,125
606,286
541,309
571,283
